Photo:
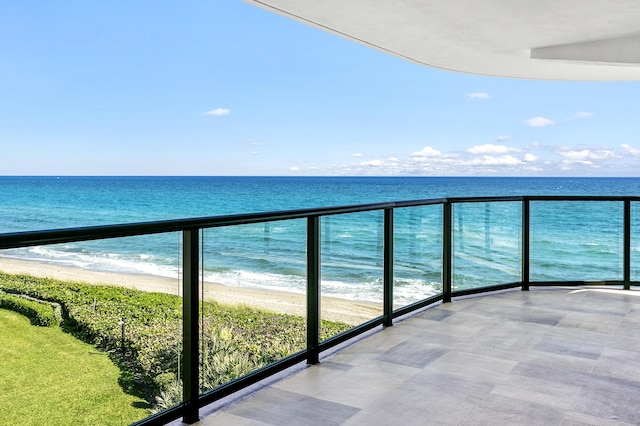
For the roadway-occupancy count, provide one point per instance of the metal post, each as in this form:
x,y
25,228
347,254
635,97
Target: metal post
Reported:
x,y
526,248
122,346
446,252
190,335
313,289
388,267
487,230
627,245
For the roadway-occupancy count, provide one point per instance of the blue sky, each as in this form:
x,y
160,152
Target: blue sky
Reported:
x,y
223,88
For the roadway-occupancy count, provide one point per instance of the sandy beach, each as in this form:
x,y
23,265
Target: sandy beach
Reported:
x,y
348,311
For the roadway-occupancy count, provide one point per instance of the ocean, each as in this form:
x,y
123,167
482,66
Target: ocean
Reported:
x,y
565,236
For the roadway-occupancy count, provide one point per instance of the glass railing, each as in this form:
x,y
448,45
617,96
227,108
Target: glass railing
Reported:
x,y
487,241
417,254
231,300
134,316
592,232
245,330
633,222
351,268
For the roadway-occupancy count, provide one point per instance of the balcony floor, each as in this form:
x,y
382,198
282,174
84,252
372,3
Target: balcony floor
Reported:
x,y
544,357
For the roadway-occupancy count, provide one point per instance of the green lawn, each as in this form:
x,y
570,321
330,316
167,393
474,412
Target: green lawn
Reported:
x,y
49,377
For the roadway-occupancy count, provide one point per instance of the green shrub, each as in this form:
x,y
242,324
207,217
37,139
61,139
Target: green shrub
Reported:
x,y
38,313
169,396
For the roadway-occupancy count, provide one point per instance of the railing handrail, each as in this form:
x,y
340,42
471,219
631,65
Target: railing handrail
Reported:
x,y
99,232
582,197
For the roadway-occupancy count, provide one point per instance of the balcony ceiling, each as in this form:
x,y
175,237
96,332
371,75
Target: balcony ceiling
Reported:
x,y
542,39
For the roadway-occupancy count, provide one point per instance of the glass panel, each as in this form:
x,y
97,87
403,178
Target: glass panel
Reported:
x,y
352,258
118,302
254,310
486,244
417,265
635,242
576,241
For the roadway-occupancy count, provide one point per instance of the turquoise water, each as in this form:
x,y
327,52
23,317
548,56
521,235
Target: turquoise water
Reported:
x,y
566,236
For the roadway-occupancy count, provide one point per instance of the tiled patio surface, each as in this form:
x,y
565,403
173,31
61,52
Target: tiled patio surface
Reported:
x,y
543,357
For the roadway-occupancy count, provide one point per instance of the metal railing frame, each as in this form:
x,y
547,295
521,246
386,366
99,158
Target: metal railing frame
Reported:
x,y
191,228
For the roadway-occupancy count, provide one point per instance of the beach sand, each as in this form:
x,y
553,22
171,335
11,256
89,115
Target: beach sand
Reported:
x,y
342,310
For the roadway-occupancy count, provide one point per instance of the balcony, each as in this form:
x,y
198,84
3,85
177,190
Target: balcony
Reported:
x,y
549,355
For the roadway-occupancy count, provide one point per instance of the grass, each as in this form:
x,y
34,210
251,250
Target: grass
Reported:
x,y
49,377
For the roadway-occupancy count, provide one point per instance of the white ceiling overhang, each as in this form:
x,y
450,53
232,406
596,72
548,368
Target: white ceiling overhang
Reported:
x,y
542,39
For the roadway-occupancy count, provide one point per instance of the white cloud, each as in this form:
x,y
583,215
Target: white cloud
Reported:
x,y
539,122
357,154
499,160
491,149
585,155
503,138
635,152
488,160
294,168
427,151
256,143
477,96
217,112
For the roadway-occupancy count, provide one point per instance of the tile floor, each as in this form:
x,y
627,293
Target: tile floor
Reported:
x,y
543,357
